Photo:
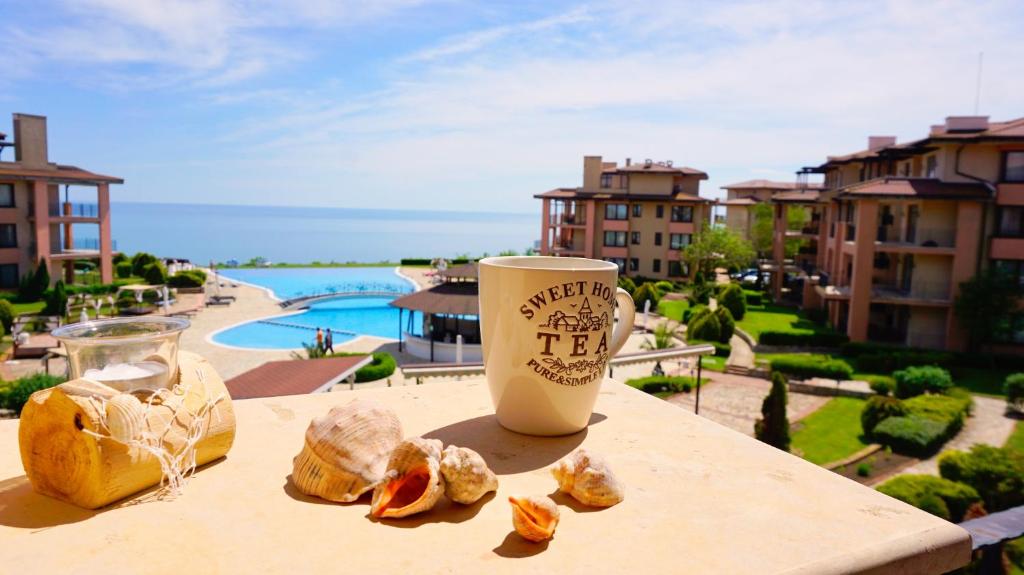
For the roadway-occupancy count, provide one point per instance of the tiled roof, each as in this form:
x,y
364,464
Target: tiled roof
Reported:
x,y
926,188
294,377
453,298
739,202
578,194
797,196
1009,129
58,173
767,185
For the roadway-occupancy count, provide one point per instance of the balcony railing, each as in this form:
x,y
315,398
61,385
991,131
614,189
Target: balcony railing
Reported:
x,y
916,290
921,237
78,210
567,219
84,245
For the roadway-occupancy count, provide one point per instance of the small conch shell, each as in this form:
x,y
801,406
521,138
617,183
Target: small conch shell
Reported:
x,y
346,451
125,417
413,482
534,517
586,476
466,475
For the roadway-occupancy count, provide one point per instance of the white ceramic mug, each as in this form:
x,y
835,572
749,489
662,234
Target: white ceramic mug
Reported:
x,y
547,329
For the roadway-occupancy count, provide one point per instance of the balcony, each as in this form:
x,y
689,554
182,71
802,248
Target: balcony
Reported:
x,y
932,240
85,248
734,491
75,210
923,292
568,220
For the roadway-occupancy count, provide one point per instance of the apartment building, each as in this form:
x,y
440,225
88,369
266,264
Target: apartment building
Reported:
x,y
742,197
639,216
901,226
34,223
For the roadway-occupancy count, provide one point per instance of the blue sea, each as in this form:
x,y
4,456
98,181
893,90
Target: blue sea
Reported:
x,y
289,234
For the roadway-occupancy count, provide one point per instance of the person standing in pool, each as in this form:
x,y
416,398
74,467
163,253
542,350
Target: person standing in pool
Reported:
x,y
329,341
319,339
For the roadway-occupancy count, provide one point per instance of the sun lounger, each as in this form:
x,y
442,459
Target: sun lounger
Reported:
x,y
218,302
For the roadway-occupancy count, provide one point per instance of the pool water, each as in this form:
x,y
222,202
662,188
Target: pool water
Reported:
x,y
347,317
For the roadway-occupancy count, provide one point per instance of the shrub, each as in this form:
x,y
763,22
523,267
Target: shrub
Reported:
x,y
56,300
879,408
118,258
812,366
880,384
140,261
155,274
123,269
802,339
703,325
701,291
732,298
15,395
753,297
948,410
184,280
662,383
197,273
773,427
665,286
627,284
890,361
917,380
922,491
6,315
864,469
383,365
726,324
912,435
1013,387
997,473
646,292
722,349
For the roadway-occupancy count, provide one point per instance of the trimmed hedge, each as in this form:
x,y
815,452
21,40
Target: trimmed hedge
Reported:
x,y
879,408
14,395
1013,387
727,326
880,384
123,269
808,367
184,280
914,381
912,435
662,383
798,339
997,473
887,358
754,297
383,365
921,491
155,274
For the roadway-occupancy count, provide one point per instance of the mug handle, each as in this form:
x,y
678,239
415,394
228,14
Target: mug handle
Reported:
x,y
627,311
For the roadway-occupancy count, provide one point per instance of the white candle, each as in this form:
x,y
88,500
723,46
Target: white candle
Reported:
x,y
131,376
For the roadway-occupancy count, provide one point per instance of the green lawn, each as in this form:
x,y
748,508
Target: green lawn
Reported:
x,y
32,308
981,380
831,433
777,318
713,363
1016,440
673,309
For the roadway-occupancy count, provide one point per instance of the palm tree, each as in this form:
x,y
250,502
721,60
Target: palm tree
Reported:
x,y
664,337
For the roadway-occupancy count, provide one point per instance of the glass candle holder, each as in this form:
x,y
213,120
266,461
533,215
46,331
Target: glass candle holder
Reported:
x,y
128,354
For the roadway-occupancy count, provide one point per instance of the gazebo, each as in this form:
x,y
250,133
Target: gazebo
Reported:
x,y
447,311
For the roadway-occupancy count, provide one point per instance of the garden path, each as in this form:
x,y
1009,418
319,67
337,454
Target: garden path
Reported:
x,y
988,423
735,401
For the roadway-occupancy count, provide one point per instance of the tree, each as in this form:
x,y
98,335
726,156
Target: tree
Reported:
x,y
762,228
41,281
57,300
773,427
716,247
731,297
981,308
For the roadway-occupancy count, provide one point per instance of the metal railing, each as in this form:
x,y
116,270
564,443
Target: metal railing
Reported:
x,y
567,219
77,210
916,290
924,237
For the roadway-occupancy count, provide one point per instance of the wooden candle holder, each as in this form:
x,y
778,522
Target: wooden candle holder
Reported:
x,y
64,461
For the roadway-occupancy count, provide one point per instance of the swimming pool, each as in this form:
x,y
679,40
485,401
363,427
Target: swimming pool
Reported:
x,y
347,317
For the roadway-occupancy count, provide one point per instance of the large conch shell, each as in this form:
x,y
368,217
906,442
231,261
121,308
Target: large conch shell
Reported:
x,y
586,476
534,517
125,417
466,475
413,482
346,451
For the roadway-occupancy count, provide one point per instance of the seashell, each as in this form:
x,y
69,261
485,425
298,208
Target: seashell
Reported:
x,y
125,417
466,475
534,517
413,482
346,451
586,476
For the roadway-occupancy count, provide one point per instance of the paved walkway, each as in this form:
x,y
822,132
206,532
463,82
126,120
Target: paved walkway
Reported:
x,y
988,424
735,401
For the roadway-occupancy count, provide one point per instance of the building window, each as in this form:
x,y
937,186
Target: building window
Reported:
x,y
6,195
8,236
657,238
621,262
682,213
656,266
634,238
678,241
931,166
8,276
638,210
1011,268
606,180
624,181
634,264
659,211
1011,222
615,211
1013,167
678,269
615,239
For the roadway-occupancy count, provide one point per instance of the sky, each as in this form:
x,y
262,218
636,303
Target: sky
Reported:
x,y
470,106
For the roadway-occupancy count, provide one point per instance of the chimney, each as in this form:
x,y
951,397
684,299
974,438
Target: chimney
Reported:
x,y
592,167
876,142
628,162
966,123
30,141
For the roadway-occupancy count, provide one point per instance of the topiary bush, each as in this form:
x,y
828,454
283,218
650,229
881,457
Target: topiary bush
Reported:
x,y
140,261
880,384
665,286
627,284
383,365
726,324
997,473
879,408
912,435
56,300
812,366
662,383
15,395
773,427
646,292
155,274
1013,387
921,379
753,297
940,497
123,269
118,258
6,315
703,325
732,298
949,410
184,280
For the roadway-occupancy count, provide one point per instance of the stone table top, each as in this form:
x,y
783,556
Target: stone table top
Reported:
x,y
700,498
